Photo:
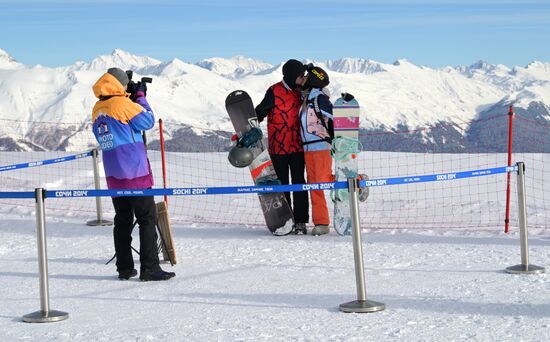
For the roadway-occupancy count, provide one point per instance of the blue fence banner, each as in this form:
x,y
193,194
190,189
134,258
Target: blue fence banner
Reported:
x,y
45,162
437,177
11,194
197,190
194,191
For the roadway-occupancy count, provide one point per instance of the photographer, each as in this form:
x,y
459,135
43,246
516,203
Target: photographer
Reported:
x,y
117,125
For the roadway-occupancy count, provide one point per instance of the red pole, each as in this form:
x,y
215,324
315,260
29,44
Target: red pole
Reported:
x,y
510,126
161,132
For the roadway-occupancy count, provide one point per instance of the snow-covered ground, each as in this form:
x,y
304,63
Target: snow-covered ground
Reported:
x,y
235,282
241,284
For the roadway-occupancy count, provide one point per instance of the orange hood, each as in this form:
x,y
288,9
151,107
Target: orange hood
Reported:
x,y
108,85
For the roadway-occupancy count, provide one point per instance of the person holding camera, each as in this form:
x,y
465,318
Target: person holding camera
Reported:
x,y
117,125
281,105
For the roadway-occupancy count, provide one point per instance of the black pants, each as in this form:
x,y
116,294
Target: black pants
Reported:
x,y
146,214
296,163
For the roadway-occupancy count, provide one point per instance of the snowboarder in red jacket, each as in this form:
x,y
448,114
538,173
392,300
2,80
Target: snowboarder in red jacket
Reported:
x,y
281,106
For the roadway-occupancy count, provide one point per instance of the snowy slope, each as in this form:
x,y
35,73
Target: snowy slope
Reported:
x,y
238,284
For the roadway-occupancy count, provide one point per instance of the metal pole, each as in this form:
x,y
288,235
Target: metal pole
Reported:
x,y
524,240
357,241
361,304
510,139
99,210
524,267
45,314
42,252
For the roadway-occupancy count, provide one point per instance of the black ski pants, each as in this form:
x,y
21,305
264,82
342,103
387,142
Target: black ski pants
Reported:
x,y
145,212
294,162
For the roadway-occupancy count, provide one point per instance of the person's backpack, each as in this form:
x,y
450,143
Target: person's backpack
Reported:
x,y
325,121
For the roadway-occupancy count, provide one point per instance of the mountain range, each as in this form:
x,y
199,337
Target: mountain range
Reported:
x,y
44,108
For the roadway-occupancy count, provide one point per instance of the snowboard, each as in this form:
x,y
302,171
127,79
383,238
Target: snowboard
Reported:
x,y
277,212
345,151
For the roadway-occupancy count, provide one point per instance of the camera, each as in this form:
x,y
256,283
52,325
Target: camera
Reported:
x,y
134,87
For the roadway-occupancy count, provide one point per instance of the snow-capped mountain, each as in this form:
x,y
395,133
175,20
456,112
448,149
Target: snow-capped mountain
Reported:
x,y
393,96
354,66
234,67
8,62
123,60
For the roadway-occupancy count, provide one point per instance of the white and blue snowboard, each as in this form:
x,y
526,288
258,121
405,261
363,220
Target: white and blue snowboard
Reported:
x,y
345,152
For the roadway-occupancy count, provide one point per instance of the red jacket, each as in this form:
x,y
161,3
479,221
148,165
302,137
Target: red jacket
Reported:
x,y
281,106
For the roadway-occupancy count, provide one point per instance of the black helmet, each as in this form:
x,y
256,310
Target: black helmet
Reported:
x,y
316,78
240,156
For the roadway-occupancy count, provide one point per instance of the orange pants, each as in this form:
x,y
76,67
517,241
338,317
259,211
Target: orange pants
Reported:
x,y
319,169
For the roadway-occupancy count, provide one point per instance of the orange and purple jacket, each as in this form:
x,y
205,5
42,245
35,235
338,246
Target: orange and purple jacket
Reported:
x,y
117,126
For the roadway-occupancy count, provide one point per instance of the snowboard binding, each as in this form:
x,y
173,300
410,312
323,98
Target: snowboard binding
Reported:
x,y
344,148
341,195
267,181
363,192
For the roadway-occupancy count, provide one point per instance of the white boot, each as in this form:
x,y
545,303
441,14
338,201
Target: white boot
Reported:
x,y
320,229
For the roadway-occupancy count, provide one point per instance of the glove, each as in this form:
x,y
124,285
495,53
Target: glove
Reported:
x,y
309,66
131,89
141,90
347,97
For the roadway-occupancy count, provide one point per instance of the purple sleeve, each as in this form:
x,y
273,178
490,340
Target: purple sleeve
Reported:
x,y
142,101
144,120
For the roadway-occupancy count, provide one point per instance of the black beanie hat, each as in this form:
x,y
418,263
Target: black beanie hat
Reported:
x,y
291,70
120,75
316,78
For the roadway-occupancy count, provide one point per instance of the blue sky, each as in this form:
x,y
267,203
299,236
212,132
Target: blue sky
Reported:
x,y
432,33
